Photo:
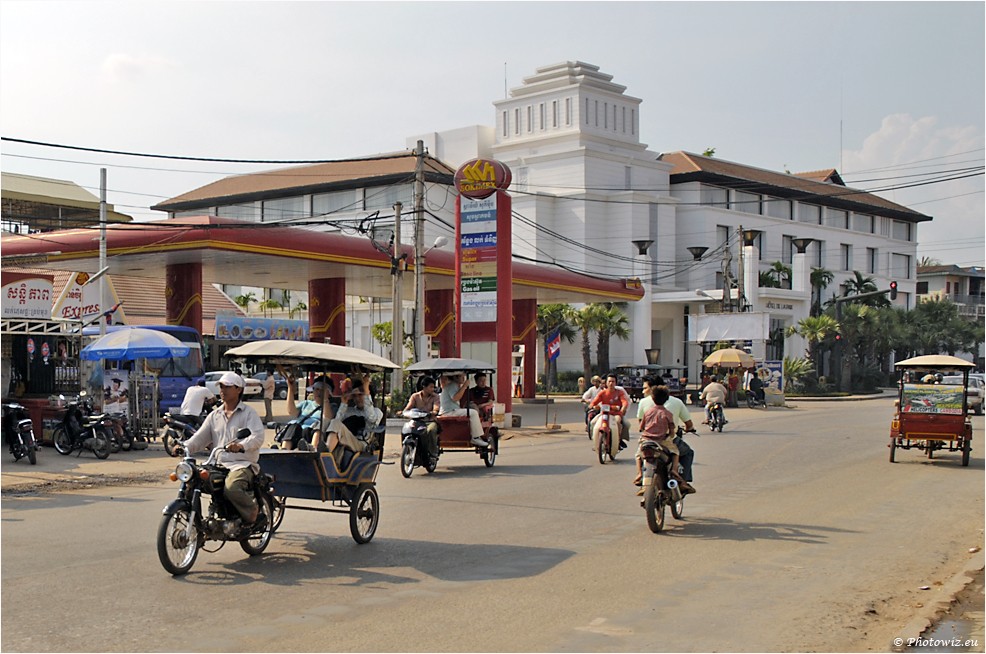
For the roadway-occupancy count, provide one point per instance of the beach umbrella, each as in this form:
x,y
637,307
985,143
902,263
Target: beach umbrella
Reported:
x,y
730,358
134,343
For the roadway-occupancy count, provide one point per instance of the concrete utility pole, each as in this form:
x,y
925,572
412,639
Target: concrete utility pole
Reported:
x,y
741,278
396,324
420,338
102,251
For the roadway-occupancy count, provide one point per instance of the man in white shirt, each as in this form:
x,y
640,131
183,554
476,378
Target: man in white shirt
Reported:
x,y
682,418
714,393
195,399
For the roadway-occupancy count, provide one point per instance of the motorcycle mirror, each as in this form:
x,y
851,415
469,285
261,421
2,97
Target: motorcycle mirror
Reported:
x,y
243,433
83,393
271,425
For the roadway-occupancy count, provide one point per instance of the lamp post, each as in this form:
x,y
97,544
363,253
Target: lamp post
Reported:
x,y
749,237
642,312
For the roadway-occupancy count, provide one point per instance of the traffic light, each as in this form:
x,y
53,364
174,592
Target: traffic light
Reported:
x,y
893,290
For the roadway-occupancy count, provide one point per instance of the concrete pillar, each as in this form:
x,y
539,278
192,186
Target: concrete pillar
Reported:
x,y
327,310
183,295
751,276
526,334
440,320
800,273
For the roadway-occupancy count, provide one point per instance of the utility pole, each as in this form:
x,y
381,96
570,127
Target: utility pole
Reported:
x,y
102,249
419,257
741,278
397,325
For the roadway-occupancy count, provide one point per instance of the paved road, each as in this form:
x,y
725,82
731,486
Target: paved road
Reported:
x,y
802,537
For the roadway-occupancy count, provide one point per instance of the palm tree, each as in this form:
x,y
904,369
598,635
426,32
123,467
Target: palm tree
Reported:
x,y
820,279
927,262
612,322
585,320
814,329
859,284
781,273
767,280
857,321
298,308
269,305
243,301
549,318
794,371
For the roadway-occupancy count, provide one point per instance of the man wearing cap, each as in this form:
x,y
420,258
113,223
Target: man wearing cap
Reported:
x,y
241,458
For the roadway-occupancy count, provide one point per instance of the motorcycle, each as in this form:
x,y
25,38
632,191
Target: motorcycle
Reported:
x,y
18,431
81,430
716,417
413,451
606,446
661,490
185,528
754,401
179,428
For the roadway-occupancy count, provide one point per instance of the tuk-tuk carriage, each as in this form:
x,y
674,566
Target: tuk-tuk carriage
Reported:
x,y
454,434
348,483
631,378
930,414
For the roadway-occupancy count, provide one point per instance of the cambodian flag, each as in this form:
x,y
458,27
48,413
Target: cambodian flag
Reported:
x,y
553,345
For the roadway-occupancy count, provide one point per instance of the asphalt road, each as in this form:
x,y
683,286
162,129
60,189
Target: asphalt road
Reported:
x,y
802,537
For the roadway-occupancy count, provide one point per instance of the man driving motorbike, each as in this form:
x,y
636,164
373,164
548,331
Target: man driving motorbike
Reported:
x,y
196,398
682,418
427,400
241,458
658,425
618,402
714,393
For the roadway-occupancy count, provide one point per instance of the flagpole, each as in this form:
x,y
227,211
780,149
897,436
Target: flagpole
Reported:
x,y
547,385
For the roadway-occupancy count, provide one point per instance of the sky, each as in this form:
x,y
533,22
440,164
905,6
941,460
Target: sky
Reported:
x,y
889,93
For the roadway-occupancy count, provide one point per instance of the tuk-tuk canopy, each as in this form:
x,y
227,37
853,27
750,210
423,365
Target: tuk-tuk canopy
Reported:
x,y
933,361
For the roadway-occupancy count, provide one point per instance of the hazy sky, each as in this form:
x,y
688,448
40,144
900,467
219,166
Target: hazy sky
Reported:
x,y
765,84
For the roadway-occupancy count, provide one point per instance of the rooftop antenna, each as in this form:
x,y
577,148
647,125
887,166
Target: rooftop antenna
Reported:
x,y
841,171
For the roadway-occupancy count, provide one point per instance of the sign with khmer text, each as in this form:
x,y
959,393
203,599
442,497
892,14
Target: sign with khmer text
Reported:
x,y
481,178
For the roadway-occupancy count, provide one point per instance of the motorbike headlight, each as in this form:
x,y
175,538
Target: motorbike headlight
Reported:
x,y
184,471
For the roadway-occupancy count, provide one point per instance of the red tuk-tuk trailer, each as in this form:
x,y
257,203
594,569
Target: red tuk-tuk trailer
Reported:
x,y
929,414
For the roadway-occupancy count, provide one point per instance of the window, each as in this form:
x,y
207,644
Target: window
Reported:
x,y
504,124
836,218
787,249
587,111
350,200
862,223
922,288
948,288
809,213
633,123
614,117
597,113
517,120
606,115
713,196
901,266
627,178
845,252
819,251
871,260
901,230
245,211
554,113
284,209
541,123
568,111
745,202
777,208
385,197
624,120
530,118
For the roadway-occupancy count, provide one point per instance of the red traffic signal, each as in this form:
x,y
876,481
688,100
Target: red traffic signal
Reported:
x,y
893,290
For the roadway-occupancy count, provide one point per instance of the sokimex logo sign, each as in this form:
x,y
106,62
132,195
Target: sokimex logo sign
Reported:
x,y
481,178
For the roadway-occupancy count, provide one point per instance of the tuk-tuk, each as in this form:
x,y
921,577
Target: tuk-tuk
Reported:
x,y
631,378
931,414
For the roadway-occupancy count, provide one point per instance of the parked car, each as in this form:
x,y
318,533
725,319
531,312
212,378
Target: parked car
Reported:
x,y
977,391
251,387
280,384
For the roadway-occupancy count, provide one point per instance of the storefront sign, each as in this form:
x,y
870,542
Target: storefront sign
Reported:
x,y
260,329
477,265
80,301
27,297
480,178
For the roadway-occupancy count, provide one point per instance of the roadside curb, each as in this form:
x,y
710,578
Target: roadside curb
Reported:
x,y
927,617
849,398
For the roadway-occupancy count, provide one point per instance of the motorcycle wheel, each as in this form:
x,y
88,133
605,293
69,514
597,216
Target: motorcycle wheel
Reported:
x,y
364,513
115,445
719,426
62,441
489,454
893,449
280,506
170,442
101,447
678,509
32,454
407,459
256,543
175,550
655,510
602,447
431,465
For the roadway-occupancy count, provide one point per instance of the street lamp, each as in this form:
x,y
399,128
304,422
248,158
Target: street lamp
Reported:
x,y
697,251
750,235
642,246
801,244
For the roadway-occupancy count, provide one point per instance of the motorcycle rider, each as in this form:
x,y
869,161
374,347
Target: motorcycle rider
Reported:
x,y
241,458
427,400
658,425
714,393
756,387
682,418
196,398
618,401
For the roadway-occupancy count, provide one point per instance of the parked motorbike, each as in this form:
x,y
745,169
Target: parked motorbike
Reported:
x,y
185,528
605,443
18,431
81,430
180,427
716,417
414,452
660,488
754,401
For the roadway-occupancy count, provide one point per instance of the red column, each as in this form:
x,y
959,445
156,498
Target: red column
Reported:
x,y
440,320
183,295
526,334
327,310
504,299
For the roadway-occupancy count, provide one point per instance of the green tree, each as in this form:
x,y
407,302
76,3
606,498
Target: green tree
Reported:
x,y
781,273
585,320
927,262
795,372
815,330
767,280
243,301
549,318
298,308
709,152
938,328
383,333
859,284
857,323
820,278
612,322
270,304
